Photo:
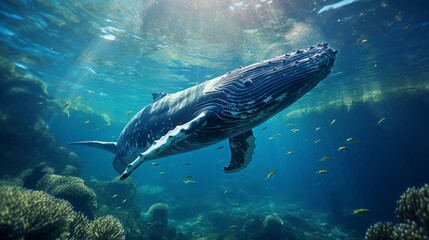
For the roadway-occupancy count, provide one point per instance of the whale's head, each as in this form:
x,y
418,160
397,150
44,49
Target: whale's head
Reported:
x,y
267,87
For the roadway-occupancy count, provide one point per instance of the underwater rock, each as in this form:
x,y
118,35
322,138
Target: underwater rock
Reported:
x,y
114,191
70,170
72,189
159,212
413,213
272,227
31,177
253,225
24,103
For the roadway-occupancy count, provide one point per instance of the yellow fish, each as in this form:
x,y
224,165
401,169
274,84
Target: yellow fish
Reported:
x,y
271,174
380,121
114,195
189,181
342,148
318,140
360,211
86,122
124,200
333,121
317,129
128,113
322,171
290,153
325,158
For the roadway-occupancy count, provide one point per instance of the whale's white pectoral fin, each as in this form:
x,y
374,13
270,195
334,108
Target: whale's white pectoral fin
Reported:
x,y
173,136
242,147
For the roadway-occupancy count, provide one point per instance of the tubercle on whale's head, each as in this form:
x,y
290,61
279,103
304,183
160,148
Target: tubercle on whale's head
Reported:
x,y
278,82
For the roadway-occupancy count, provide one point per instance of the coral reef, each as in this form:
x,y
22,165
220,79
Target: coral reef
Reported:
x,y
380,231
106,228
159,212
113,192
72,189
28,214
32,214
24,105
413,213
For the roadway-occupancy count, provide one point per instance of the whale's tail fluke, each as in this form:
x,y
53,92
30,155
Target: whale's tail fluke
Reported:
x,y
106,146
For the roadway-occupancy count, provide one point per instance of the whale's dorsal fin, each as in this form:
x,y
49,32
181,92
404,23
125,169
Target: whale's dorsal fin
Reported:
x,y
158,95
242,147
106,146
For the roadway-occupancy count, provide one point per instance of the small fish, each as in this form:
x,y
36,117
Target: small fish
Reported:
x,y
200,219
264,128
154,164
271,138
86,122
40,103
221,161
351,140
220,147
233,227
66,105
325,158
225,192
77,98
294,130
360,211
290,153
128,113
189,181
107,124
161,173
278,134
115,195
318,140
271,174
333,121
117,208
124,201
189,177
317,129
342,148
322,171
290,124
90,92
381,121
186,164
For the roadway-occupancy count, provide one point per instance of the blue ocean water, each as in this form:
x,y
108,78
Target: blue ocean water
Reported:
x,y
102,60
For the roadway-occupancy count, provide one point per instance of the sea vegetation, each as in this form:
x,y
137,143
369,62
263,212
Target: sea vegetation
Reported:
x,y
412,212
29,214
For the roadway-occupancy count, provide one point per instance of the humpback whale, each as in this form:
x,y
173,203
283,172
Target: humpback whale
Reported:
x,y
226,107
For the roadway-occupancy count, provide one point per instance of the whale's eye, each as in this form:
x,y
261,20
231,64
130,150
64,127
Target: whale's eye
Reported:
x,y
247,82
